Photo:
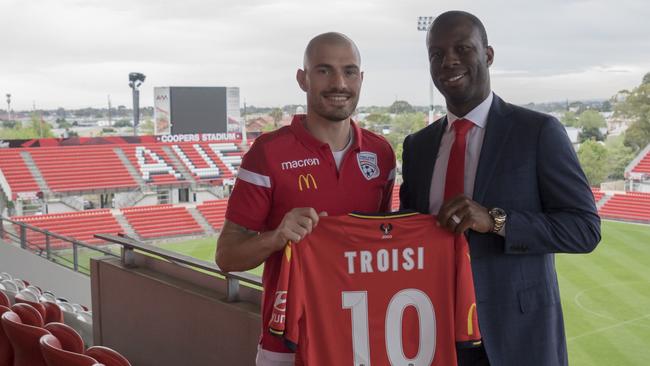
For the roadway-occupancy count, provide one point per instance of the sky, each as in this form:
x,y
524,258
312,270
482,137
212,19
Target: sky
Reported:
x,y
75,53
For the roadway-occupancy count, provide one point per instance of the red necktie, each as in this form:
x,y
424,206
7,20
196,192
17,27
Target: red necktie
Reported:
x,y
455,179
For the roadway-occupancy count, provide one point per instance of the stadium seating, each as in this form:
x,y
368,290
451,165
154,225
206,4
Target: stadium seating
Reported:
x,y
80,168
214,212
16,173
643,166
82,225
152,163
24,338
4,300
161,220
628,206
57,355
598,195
107,356
6,352
395,198
69,339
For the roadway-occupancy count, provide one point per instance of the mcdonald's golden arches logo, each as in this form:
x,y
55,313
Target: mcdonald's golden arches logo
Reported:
x,y
307,181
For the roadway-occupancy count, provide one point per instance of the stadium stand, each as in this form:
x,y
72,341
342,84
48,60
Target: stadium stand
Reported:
x,y
629,206
152,163
214,212
643,166
598,194
107,356
161,220
395,198
82,168
15,173
78,225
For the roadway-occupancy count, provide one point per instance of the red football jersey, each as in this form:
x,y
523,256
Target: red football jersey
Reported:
x,y
377,290
290,168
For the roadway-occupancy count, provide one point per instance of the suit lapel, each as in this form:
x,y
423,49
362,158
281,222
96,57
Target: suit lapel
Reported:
x,y
428,153
496,133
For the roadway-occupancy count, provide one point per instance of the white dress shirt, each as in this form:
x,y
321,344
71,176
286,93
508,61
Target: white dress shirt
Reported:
x,y
478,116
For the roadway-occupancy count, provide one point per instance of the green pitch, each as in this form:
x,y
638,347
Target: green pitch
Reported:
x,y
606,298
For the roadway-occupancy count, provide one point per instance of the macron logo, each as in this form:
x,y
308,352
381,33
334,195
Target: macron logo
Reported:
x,y
293,164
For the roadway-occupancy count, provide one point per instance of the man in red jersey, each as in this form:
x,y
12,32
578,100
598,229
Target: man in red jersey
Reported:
x,y
322,164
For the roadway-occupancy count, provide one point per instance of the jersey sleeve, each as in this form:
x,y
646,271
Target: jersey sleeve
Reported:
x,y
466,323
288,303
250,201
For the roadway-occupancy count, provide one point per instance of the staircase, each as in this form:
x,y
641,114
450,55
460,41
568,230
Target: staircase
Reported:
x,y
36,173
178,165
130,168
124,223
201,220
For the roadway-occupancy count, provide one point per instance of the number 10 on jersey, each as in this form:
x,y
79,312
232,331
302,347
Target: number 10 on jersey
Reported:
x,y
357,302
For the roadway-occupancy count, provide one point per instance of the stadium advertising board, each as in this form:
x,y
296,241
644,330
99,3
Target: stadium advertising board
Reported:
x,y
76,141
162,111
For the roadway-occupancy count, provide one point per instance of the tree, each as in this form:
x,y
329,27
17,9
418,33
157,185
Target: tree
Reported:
x,y
401,106
594,160
146,128
378,118
121,123
276,114
591,119
569,119
646,79
619,157
62,123
635,105
8,124
590,133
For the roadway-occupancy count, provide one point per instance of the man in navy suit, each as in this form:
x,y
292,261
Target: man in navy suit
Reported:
x,y
521,196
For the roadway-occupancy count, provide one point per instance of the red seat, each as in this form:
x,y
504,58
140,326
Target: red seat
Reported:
x,y
67,336
6,352
107,356
24,340
55,355
4,300
28,314
21,299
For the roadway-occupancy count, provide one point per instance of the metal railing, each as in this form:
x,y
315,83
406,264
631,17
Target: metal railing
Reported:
x,y
233,279
57,248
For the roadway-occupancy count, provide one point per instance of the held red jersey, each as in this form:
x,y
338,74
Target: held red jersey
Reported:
x,y
377,290
289,168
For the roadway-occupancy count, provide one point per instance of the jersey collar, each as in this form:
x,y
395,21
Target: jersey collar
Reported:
x,y
304,136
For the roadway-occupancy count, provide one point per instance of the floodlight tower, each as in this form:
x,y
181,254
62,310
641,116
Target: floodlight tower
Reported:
x,y
423,25
135,80
8,107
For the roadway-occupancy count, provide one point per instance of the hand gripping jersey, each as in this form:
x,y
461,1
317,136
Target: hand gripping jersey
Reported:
x,y
377,290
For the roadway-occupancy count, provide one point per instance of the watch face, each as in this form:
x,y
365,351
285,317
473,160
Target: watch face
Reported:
x,y
497,212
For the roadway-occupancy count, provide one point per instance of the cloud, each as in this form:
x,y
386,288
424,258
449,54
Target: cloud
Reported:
x,y
73,53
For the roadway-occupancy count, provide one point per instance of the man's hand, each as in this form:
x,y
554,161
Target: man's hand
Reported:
x,y
461,213
295,225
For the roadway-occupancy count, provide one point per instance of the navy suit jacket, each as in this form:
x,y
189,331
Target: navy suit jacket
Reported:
x,y
529,168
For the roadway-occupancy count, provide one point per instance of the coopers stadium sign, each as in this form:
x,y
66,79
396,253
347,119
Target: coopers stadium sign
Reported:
x,y
199,137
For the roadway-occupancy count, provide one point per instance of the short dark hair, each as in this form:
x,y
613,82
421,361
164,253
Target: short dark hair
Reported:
x,y
452,14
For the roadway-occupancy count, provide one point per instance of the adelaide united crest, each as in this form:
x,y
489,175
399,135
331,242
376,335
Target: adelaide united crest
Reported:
x,y
368,164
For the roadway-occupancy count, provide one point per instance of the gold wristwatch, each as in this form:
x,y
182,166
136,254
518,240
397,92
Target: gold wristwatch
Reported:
x,y
498,218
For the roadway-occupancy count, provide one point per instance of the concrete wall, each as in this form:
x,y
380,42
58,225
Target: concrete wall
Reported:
x,y
48,276
203,196
170,315
58,207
